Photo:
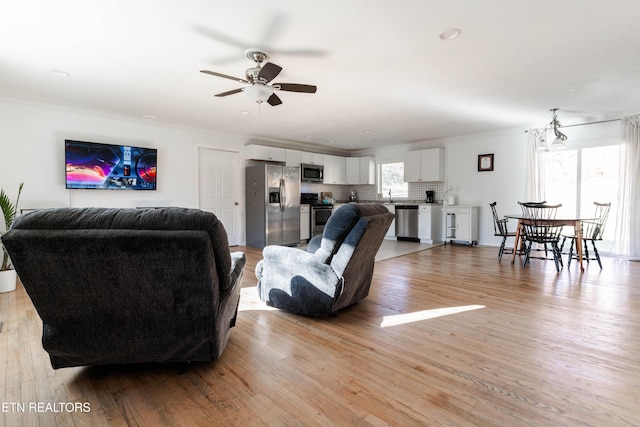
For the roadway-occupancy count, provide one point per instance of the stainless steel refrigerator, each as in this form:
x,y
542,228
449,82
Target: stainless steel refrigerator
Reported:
x,y
273,205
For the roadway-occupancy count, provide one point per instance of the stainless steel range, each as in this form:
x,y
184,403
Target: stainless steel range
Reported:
x,y
320,212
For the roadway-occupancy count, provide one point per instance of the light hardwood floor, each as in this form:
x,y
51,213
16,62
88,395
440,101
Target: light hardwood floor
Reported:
x,y
447,336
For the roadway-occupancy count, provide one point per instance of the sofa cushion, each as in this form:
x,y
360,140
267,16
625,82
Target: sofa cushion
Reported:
x,y
170,218
336,229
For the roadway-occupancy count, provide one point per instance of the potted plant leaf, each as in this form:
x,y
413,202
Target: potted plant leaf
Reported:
x,y
9,212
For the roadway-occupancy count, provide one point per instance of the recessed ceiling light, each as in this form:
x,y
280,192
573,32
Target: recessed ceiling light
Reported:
x,y
60,73
149,117
244,112
450,34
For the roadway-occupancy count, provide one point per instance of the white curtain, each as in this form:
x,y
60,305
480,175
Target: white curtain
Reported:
x,y
534,175
627,235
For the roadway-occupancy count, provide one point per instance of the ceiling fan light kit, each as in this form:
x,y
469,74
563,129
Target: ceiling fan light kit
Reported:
x,y
258,78
258,93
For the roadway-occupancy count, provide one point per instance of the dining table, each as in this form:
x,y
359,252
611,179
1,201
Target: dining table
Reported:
x,y
562,219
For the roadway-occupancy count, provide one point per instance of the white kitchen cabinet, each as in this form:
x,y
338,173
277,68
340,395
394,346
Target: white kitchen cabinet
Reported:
x,y
361,170
412,171
305,222
391,232
309,158
430,223
292,157
353,170
461,224
263,152
424,165
335,169
367,170
432,164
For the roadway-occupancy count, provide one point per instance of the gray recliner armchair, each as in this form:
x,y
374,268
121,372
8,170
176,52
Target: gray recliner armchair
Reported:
x,y
336,269
119,286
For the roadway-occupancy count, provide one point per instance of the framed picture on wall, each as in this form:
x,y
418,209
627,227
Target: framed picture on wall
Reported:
x,y
485,162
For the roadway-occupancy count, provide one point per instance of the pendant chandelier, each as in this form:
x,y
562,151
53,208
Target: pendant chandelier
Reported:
x,y
553,125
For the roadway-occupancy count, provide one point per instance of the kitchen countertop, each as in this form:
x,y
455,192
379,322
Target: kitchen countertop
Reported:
x,y
399,202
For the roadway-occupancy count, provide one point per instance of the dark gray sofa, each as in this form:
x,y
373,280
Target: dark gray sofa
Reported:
x,y
336,269
119,286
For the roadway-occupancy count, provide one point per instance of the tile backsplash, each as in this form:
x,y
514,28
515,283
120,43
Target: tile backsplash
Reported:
x,y
367,192
417,190
340,192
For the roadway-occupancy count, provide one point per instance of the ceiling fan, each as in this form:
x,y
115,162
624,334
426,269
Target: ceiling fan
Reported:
x,y
258,78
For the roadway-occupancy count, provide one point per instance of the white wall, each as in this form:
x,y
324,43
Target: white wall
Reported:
x,y
504,185
32,151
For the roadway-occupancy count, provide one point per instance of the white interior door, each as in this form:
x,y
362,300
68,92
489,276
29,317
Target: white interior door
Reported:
x,y
219,188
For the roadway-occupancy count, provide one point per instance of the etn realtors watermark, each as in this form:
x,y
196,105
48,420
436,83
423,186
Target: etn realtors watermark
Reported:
x,y
40,407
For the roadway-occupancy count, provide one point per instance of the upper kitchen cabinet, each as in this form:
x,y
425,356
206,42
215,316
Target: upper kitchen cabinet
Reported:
x,y
424,165
292,157
262,152
309,158
361,170
335,169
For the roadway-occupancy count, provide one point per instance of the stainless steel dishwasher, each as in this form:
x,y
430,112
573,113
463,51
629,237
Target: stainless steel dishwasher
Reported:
x,y
407,222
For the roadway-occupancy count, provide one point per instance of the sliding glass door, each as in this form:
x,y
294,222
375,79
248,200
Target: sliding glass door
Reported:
x,y
577,177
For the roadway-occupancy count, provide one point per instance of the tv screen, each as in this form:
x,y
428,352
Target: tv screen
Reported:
x,y
112,167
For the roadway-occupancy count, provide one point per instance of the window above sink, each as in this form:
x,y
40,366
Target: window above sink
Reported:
x,y
392,180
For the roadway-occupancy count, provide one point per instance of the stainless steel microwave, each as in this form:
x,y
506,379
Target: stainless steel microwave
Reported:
x,y
311,173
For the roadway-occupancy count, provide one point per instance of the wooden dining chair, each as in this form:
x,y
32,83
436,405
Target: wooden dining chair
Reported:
x,y
500,229
592,231
522,204
540,227
522,231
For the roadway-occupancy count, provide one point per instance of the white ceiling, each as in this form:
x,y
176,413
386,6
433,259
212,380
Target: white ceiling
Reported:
x,y
383,75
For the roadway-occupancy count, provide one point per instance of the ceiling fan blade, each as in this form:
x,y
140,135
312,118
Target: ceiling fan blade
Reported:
x,y
269,71
274,100
295,87
213,73
230,92
299,52
218,36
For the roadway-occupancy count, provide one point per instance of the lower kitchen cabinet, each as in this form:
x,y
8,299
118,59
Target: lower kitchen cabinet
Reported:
x,y
391,232
430,223
305,222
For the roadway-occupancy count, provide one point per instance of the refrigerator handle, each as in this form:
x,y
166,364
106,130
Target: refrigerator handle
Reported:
x,y
282,195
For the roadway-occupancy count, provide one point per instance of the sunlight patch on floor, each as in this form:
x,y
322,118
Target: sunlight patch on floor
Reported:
x,y
416,316
249,300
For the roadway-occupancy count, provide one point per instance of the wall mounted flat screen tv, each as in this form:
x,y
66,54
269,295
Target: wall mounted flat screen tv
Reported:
x,y
92,165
